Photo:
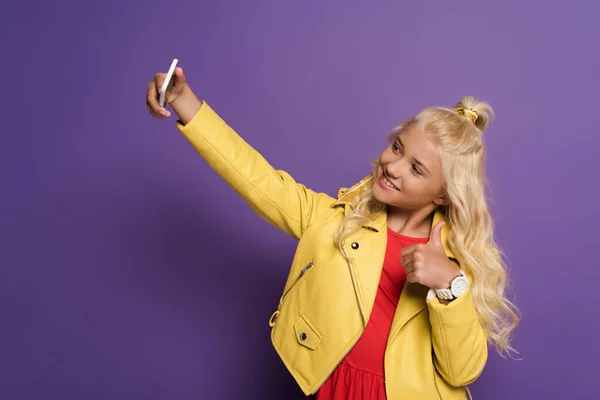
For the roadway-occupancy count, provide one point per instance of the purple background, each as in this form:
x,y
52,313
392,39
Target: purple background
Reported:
x,y
130,271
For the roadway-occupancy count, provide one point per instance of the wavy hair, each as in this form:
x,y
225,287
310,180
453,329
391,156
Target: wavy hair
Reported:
x,y
459,141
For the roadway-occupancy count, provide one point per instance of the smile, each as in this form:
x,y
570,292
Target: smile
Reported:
x,y
386,184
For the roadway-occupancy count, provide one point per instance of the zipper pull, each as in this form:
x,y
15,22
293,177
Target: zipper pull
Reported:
x,y
309,266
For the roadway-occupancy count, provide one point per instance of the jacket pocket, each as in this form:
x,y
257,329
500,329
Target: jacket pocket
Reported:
x,y
306,334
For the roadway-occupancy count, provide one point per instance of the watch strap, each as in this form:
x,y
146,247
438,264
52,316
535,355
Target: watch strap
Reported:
x,y
446,294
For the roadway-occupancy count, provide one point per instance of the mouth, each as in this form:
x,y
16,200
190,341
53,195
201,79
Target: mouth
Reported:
x,y
385,183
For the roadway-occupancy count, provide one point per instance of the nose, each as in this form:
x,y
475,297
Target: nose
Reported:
x,y
393,170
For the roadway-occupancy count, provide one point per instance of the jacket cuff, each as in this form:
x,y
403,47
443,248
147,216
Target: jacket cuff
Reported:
x,y
204,113
459,309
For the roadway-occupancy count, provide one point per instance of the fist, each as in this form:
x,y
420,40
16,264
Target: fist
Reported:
x,y
428,264
176,86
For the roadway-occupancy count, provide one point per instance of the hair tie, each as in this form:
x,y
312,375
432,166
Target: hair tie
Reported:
x,y
469,113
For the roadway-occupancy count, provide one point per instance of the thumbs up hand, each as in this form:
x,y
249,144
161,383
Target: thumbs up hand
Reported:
x,y
428,264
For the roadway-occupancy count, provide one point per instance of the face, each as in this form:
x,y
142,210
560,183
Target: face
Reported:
x,y
409,174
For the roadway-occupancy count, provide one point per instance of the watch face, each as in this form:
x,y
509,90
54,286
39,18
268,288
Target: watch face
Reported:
x,y
459,285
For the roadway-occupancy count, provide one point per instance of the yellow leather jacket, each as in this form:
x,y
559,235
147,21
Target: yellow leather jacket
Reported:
x,y
433,351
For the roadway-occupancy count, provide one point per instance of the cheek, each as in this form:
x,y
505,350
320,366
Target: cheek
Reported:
x,y
418,187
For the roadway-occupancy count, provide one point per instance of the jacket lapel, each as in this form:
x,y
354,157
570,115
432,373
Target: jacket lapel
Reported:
x,y
368,259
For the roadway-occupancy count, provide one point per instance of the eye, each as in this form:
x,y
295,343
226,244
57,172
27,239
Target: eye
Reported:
x,y
416,170
395,147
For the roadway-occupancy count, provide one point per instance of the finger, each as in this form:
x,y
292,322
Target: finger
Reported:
x,y
158,87
408,249
170,87
436,234
178,82
412,249
409,268
152,99
153,113
407,259
148,104
179,76
411,277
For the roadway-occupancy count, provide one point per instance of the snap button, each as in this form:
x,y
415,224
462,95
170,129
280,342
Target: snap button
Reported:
x,y
354,245
306,334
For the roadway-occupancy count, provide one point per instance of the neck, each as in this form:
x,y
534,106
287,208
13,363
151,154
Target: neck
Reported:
x,y
413,223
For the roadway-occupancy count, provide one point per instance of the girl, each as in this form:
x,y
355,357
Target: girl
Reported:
x,y
397,286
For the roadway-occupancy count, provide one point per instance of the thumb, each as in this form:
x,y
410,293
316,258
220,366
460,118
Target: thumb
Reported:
x,y
179,76
436,234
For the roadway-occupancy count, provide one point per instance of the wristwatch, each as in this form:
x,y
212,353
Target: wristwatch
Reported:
x,y
457,287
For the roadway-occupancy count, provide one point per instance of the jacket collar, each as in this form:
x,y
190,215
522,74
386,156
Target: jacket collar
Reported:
x,y
351,196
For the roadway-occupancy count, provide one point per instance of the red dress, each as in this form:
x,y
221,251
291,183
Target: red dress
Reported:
x,y
360,375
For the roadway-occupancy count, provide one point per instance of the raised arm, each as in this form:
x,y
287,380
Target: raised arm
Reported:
x,y
273,194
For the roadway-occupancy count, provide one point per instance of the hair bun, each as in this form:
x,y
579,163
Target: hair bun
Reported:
x,y
480,112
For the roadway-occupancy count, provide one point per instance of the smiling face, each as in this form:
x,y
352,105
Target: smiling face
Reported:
x,y
409,175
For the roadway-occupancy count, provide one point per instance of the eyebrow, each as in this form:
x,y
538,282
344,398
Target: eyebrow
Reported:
x,y
415,160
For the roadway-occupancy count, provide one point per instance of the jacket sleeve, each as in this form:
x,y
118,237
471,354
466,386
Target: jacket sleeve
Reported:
x,y
272,194
459,342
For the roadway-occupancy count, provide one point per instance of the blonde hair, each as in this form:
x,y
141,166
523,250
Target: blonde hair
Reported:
x,y
458,138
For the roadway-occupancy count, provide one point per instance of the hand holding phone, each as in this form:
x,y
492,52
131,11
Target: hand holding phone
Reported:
x,y
165,88
167,82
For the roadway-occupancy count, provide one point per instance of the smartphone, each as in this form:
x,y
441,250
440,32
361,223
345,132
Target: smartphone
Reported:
x,y
166,83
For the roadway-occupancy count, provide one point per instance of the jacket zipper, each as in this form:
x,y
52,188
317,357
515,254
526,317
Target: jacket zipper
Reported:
x,y
300,275
276,313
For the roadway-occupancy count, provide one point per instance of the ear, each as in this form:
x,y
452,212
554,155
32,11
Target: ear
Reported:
x,y
441,200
